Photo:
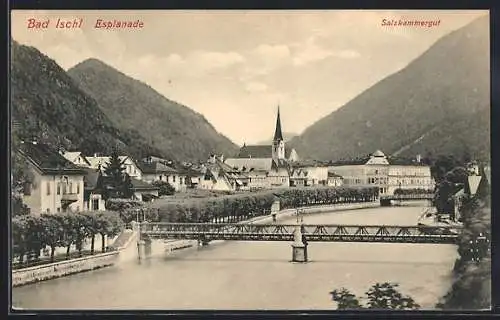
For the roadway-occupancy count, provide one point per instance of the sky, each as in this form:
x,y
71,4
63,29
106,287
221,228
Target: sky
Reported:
x,y
236,67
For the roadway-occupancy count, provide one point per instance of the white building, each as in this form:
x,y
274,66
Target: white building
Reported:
x,y
388,174
57,184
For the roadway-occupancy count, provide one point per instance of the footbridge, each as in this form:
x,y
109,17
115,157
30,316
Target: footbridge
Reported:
x,y
299,234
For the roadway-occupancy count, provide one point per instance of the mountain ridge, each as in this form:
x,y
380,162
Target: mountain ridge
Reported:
x,y
171,127
428,95
49,106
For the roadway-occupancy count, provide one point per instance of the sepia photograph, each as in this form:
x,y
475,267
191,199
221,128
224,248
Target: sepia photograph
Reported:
x,y
250,160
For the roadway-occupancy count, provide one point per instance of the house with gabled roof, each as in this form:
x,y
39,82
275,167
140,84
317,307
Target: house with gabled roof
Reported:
x,y
76,157
220,176
158,170
57,184
131,167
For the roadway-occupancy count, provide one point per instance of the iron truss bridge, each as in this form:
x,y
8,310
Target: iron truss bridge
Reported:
x,y
285,232
425,196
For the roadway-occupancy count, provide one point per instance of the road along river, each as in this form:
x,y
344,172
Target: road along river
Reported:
x,y
258,275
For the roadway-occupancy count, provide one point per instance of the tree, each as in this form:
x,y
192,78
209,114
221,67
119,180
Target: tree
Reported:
x,y
379,296
165,188
115,171
54,232
127,189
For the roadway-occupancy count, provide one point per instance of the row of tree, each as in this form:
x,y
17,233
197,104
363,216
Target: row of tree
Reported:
x,y
412,191
233,208
31,234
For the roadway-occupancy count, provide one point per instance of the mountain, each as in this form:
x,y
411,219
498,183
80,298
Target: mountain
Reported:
x,y
438,104
286,135
48,105
176,130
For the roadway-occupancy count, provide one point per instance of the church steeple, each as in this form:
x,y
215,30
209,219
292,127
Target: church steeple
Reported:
x,y
278,135
278,147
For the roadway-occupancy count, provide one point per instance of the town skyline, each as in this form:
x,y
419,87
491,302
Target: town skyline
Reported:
x,y
307,63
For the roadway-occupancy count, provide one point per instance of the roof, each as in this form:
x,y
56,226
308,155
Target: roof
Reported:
x,y
72,156
378,153
348,162
220,169
155,167
298,174
48,160
278,135
97,161
473,182
333,175
253,164
141,185
259,151
365,160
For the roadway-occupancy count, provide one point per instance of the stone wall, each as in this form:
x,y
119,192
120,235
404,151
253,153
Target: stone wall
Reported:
x,y
62,268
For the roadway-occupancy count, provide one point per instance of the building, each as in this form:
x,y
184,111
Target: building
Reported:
x,y
298,177
316,172
388,174
409,174
222,177
156,169
76,157
334,180
93,199
57,184
266,166
131,167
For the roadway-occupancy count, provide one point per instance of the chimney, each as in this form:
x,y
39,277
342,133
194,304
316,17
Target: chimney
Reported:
x,y
419,158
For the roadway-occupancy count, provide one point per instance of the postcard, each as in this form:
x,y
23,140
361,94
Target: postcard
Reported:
x,y
250,160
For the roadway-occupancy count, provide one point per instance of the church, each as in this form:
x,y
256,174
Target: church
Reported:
x,y
267,166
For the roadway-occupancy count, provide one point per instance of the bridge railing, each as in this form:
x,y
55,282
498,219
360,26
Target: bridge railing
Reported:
x,y
285,231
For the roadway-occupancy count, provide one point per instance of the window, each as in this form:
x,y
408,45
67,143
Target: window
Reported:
x,y
173,178
95,204
58,188
161,177
48,210
48,188
78,187
70,187
64,185
27,189
58,209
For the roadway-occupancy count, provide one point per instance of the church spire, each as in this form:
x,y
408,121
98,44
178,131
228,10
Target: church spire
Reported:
x,y
278,135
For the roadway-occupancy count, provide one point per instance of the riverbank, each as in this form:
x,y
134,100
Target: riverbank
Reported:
x,y
126,249
176,245
63,268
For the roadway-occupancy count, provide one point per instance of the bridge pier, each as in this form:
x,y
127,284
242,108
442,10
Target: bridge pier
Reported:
x,y
143,248
299,247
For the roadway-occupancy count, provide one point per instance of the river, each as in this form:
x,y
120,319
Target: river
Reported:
x,y
258,275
